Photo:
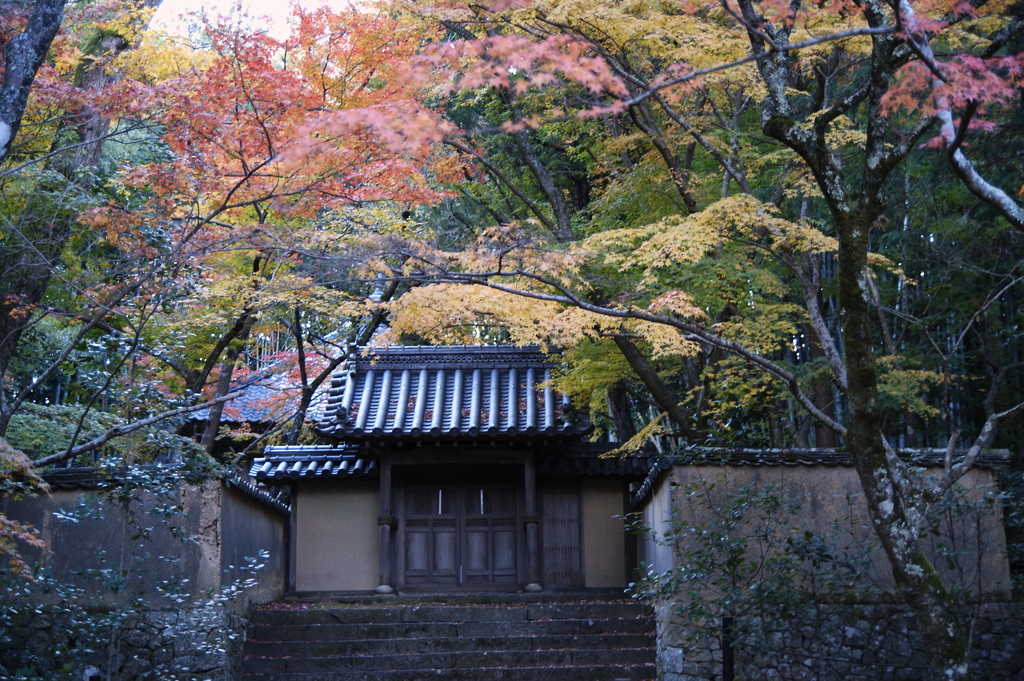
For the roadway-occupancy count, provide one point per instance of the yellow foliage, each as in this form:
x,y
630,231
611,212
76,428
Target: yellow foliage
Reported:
x,y
456,313
449,314
801,184
906,389
738,387
678,303
666,341
764,327
159,58
636,443
740,219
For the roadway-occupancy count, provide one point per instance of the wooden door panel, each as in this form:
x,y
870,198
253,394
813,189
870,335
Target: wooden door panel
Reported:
x,y
417,554
504,550
475,556
445,550
472,543
560,530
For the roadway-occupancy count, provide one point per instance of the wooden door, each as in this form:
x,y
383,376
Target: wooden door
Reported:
x,y
431,536
560,533
489,554
461,535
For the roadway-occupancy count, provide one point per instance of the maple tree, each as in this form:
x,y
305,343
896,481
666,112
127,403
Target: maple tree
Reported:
x,y
180,253
811,115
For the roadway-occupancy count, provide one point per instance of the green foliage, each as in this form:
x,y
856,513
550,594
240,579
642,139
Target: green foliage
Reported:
x,y
44,430
39,346
593,367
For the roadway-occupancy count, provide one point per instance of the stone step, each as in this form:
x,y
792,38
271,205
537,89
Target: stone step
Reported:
x,y
447,613
594,673
399,646
341,632
452,641
455,660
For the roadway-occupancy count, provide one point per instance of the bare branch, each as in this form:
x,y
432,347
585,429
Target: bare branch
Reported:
x,y
982,442
493,169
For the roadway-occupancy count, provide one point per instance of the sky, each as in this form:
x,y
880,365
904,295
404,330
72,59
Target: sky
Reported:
x,y
167,17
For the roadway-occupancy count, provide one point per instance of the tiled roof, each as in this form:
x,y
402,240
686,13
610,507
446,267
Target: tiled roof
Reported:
x,y
453,392
821,457
83,477
87,478
327,462
98,477
269,395
592,460
316,462
269,497
714,456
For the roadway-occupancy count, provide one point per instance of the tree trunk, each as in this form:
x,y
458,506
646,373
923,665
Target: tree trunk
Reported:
x,y
916,578
661,393
212,428
680,178
559,206
23,56
227,369
618,410
29,255
821,389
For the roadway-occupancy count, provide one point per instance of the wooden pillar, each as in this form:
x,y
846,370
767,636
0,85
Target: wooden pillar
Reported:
x,y
532,546
291,533
385,521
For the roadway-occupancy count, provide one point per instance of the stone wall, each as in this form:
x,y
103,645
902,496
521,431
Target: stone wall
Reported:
x,y
839,643
194,643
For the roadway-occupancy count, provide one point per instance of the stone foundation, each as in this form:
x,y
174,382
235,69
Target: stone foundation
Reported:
x,y
856,643
193,644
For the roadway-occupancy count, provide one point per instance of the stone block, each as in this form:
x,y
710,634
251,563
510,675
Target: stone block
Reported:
x,y
136,638
671,660
136,668
982,625
907,674
855,637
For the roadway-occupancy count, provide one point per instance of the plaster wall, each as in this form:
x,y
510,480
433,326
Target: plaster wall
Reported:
x,y
103,537
248,527
604,551
336,536
833,505
653,554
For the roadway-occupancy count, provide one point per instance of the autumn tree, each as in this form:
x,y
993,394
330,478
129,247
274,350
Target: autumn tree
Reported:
x,y
180,255
813,119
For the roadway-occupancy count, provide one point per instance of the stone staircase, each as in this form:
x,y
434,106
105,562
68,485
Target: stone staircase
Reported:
x,y
451,641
